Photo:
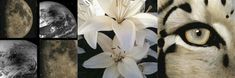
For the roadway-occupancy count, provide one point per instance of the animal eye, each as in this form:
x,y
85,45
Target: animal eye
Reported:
x,y
198,36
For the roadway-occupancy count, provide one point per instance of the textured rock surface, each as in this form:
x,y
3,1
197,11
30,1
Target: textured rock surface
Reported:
x,y
19,18
58,59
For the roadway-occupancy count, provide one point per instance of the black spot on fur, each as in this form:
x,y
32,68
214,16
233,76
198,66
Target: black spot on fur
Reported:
x,y
106,14
227,16
232,12
168,14
163,33
165,5
186,7
162,65
161,42
223,2
206,2
225,60
171,49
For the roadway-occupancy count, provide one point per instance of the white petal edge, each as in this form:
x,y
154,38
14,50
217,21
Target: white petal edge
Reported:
x,y
116,45
107,6
125,33
151,37
105,42
149,67
101,60
135,7
97,23
153,53
91,39
138,52
80,50
144,20
140,37
129,69
111,72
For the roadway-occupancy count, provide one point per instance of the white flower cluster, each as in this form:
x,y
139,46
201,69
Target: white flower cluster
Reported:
x,y
121,55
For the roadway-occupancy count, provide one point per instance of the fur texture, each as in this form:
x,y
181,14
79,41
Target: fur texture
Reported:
x,y
189,61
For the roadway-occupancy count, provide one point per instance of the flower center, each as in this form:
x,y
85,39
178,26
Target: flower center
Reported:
x,y
122,8
118,56
118,59
119,21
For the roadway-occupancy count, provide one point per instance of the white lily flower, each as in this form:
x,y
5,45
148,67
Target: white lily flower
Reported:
x,y
118,63
123,18
88,9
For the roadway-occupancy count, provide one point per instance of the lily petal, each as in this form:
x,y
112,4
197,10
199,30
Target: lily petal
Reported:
x,y
101,60
97,23
144,20
151,37
125,33
138,52
149,67
107,6
116,46
140,37
153,53
135,7
111,72
91,39
80,50
129,69
105,42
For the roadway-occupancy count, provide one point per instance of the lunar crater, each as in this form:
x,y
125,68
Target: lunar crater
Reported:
x,y
19,18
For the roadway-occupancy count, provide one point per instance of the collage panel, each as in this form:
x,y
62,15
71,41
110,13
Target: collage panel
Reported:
x,y
18,59
57,19
19,19
117,39
196,38
58,59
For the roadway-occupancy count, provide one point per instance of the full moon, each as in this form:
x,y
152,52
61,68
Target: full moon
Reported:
x,y
19,18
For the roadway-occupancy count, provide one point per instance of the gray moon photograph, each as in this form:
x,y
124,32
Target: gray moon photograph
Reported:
x,y
56,21
18,59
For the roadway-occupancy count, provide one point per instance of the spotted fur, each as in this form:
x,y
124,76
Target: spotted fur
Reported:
x,y
179,58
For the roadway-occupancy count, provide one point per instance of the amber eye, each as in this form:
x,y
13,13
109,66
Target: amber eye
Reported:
x,y
198,36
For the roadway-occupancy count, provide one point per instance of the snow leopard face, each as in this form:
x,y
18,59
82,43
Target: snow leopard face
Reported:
x,y
197,38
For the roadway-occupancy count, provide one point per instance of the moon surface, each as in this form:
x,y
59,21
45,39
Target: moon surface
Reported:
x,y
56,21
58,59
19,18
18,59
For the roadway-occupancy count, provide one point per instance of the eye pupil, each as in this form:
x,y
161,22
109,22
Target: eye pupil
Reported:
x,y
198,32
